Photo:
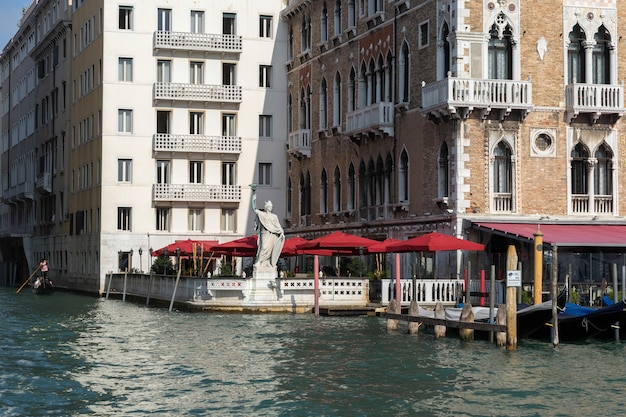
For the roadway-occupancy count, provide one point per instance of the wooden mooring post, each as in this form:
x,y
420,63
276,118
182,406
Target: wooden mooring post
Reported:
x,y
452,324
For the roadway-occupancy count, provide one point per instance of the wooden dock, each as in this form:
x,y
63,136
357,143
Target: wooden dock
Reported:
x,y
452,324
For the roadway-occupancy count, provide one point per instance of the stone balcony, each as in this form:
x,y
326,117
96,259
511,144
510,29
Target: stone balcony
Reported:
x,y
217,93
459,97
43,183
196,192
595,100
300,143
203,42
373,120
167,142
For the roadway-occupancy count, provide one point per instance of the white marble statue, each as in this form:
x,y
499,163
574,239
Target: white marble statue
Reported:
x,y
271,236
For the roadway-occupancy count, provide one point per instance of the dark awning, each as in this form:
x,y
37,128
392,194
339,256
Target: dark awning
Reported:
x,y
572,235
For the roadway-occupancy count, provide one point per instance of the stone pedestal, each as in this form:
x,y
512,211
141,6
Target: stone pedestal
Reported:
x,y
263,289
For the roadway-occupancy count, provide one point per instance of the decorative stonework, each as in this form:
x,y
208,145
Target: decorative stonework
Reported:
x,y
543,142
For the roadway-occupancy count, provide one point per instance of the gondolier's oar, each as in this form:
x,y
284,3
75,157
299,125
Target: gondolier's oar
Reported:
x,y
28,279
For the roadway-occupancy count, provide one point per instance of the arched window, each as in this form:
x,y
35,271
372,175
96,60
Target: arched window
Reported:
x,y
324,192
403,177
351,13
601,57
362,185
576,56
388,176
337,100
289,113
388,73
405,81
371,183
323,104
302,196
445,50
337,17
500,50
289,195
324,23
352,87
502,178
580,157
444,172
302,116
363,93
379,189
603,175
372,88
307,194
337,190
351,188
380,80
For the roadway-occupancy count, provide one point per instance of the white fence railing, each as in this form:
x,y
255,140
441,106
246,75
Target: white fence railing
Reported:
x,y
196,192
428,292
196,143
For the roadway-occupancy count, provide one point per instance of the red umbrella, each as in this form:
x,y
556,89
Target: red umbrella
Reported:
x,y
243,247
289,247
187,247
382,247
434,242
337,243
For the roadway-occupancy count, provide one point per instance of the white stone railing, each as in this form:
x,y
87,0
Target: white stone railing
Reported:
x,y
197,92
468,92
378,116
502,203
331,289
196,143
594,98
197,41
196,192
300,142
431,291
603,204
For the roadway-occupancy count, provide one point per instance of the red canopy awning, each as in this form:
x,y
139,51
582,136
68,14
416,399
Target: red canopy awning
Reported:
x,y
567,235
242,247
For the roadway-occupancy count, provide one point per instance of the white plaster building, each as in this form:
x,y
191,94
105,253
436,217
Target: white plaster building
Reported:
x,y
175,108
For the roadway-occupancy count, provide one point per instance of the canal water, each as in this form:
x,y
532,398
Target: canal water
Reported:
x,y
71,355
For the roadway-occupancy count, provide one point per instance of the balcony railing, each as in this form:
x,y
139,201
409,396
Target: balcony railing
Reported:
x,y
197,41
197,92
300,143
602,204
503,203
196,192
44,182
166,142
377,212
459,96
594,99
377,118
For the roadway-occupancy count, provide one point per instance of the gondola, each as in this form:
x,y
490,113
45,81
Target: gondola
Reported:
x,y
533,318
43,287
580,323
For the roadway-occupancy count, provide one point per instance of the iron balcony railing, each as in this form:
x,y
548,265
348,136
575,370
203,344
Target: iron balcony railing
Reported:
x,y
167,142
196,192
216,42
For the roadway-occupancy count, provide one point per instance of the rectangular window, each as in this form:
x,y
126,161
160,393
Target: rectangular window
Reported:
x,y
265,76
265,27
124,170
125,69
228,173
123,218
196,123
195,222
197,22
195,172
125,121
228,221
164,20
229,124
228,24
163,121
265,126
423,35
163,219
164,73
228,74
265,174
196,72
126,17
163,172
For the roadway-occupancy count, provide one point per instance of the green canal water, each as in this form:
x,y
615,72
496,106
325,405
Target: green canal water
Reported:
x,y
72,355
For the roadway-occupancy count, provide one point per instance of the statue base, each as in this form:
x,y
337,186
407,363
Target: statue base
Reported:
x,y
263,289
